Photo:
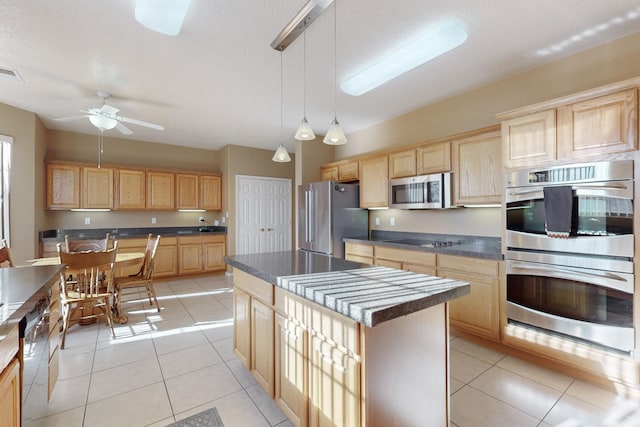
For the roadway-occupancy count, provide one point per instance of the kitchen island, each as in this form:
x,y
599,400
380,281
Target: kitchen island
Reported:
x,y
338,343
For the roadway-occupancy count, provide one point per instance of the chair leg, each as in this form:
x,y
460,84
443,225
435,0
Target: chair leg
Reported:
x,y
152,293
65,324
107,309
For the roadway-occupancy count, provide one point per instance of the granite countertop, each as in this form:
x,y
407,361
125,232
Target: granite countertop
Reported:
x,y
127,233
469,246
21,288
369,295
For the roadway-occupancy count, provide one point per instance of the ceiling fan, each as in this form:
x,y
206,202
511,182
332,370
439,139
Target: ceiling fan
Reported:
x,y
106,117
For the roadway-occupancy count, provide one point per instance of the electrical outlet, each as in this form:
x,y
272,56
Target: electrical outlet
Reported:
x,y
377,221
392,221
223,219
153,220
201,219
87,221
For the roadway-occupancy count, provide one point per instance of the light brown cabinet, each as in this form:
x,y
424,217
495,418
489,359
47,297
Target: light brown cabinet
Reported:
x,y
374,182
241,325
346,171
433,158
329,173
262,329
478,312
201,254
210,192
530,139
402,164
130,189
10,393
97,188
358,253
402,259
63,186
160,190
477,169
187,194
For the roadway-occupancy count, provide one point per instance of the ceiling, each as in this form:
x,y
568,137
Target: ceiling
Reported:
x,y
218,81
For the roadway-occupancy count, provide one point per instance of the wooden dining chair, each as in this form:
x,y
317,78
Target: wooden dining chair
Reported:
x,y
87,286
87,244
142,279
5,255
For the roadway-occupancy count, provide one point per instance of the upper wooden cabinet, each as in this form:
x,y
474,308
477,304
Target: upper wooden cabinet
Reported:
x,y
329,173
433,158
530,139
402,163
130,189
97,188
374,182
346,171
63,186
187,193
211,192
477,169
603,125
160,190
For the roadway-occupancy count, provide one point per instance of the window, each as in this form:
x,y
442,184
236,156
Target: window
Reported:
x,y
5,161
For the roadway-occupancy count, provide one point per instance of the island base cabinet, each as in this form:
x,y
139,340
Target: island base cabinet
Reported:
x,y
10,391
262,366
291,370
241,326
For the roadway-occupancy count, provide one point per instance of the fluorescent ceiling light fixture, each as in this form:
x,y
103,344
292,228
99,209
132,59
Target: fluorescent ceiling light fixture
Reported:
x,y
191,210
440,39
163,16
90,210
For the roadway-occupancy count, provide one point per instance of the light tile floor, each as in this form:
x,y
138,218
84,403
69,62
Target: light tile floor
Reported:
x,y
166,366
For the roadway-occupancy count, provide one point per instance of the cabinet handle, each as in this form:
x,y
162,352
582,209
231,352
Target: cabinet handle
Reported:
x,y
269,229
262,229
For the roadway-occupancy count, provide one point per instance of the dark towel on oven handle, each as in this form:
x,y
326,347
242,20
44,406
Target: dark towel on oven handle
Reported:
x,y
558,207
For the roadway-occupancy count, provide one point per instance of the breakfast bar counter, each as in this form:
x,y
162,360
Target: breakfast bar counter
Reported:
x,y
340,343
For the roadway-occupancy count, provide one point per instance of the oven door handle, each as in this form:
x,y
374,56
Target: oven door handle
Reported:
x,y
571,273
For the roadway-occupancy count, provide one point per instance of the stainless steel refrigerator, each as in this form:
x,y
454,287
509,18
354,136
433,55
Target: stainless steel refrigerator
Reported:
x,y
328,212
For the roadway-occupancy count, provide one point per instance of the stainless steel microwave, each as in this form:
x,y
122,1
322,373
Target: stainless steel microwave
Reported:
x,y
421,192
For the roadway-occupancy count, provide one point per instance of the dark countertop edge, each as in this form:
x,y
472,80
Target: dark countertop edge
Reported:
x,y
128,233
446,250
253,271
26,306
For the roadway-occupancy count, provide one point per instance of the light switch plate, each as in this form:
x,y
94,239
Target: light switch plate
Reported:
x,y
87,221
392,221
377,221
153,220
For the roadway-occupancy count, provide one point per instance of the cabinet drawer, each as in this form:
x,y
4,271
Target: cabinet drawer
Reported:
x,y
408,256
356,249
132,243
255,287
54,315
54,368
9,346
473,265
334,328
54,339
389,263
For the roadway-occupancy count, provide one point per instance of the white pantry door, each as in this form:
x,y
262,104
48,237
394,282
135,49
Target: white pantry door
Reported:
x,y
263,214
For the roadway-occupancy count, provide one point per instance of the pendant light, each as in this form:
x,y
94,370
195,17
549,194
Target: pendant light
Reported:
x,y
335,135
281,154
304,132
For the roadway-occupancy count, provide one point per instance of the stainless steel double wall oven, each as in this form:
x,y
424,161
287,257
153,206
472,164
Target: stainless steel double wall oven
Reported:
x,y
581,286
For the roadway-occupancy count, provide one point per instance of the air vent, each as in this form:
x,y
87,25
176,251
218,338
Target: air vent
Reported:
x,y
10,75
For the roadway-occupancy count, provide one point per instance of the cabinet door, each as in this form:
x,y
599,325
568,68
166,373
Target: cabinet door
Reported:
x,y
97,188
214,256
187,191
358,253
529,140
329,173
291,370
374,182
603,125
477,169
433,158
334,386
211,192
190,260
63,186
402,164
131,187
262,363
10,391
348,172
241,326
160,190
166,262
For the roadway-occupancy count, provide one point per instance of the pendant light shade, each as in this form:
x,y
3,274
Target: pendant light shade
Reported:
x,y
335,135
281,155
304,132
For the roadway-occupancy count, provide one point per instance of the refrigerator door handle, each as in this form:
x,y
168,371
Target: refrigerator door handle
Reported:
x,y
311,216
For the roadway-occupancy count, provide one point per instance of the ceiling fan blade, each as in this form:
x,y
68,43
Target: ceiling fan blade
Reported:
x,y
66,119
109,110
125,130
141,123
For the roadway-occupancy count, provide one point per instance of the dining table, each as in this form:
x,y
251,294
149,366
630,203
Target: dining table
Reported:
x,y
124,259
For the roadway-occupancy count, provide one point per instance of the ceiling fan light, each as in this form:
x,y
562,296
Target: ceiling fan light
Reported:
x,y
304,132
163,16
103,122
335,135
281,155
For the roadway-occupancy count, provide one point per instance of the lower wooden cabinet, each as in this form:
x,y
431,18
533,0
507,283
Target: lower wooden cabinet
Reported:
x,y
10,386
291,369
262,367
241,326
358,253
201,254
402,259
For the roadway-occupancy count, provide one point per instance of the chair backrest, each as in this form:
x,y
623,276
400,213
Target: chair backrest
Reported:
x,y
149,256
87,244
5,255
87,273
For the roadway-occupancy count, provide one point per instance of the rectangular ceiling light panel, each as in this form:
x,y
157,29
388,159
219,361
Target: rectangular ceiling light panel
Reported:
x,y
163,16
440,39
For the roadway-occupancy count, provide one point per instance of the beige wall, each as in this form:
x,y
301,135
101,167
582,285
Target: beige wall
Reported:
x,y
476,109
